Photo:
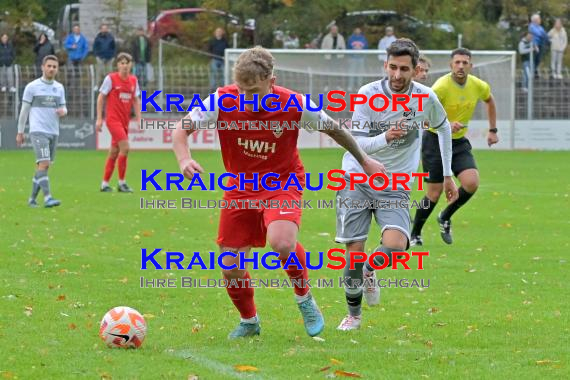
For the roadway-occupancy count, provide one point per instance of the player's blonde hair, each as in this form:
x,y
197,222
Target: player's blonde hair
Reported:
x,y
423,59
254,64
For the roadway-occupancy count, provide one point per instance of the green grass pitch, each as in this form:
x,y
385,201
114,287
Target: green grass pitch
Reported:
x,y
497,306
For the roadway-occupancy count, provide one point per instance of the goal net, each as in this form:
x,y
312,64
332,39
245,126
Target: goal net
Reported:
x,y
320,71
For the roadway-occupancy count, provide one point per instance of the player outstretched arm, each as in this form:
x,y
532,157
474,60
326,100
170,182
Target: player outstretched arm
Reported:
x,y
492,137
344,139
100,103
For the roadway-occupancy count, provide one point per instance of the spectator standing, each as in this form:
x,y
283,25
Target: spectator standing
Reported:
x,y
357,66
526,46
42,49
388,38
216,46
7,57
540,39
104,49
558,43
141,55
333,41
77,48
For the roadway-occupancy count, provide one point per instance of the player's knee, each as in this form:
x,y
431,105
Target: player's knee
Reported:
x,y
395,239
357,246
230,274
434,194
283,246
471,185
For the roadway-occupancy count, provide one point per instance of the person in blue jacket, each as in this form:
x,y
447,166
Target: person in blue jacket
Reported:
x,y
357,65
77,48
540,40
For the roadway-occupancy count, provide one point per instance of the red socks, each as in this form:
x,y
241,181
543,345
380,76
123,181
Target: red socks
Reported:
x,y
122,167
242,297
242,294
109,167
302,275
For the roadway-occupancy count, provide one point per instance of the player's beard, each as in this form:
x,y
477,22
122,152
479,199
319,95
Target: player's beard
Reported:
x,y
400,85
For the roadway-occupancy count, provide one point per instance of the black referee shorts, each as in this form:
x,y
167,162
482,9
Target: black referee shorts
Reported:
x,y
462,158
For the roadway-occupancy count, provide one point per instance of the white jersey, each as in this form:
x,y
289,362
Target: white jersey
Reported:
x,y
401,155
44,98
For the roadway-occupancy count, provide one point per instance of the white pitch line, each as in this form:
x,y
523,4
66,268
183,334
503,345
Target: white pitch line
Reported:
x,y
215,365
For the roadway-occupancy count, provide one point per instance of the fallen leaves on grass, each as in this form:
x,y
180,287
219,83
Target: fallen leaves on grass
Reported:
x,y
61,297
325,368
318,339
433,310
341,373
28,311
335,361
546,362
471,329
72,326
245,368
193,377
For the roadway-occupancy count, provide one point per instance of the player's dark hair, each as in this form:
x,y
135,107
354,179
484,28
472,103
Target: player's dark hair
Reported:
x,y
49,58
461,51
124,56
402,47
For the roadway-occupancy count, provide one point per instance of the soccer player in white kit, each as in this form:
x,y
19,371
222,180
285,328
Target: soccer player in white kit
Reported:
x,y
44,102
398,148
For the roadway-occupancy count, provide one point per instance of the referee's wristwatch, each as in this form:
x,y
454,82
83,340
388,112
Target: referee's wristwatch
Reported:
x,y
493,130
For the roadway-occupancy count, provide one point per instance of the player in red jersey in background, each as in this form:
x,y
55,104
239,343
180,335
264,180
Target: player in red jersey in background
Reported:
x,y
261,150
122,92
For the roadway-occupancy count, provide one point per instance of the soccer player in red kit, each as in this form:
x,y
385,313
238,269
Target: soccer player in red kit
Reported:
x,y
121,90
250,150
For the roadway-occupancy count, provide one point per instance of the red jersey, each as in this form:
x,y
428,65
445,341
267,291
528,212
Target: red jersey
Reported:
x,y
256,149
120,97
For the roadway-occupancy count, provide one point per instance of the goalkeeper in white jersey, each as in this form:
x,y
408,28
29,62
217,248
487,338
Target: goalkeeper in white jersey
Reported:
x,y
44,102
398,148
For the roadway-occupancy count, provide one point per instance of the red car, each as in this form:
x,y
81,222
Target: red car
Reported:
x,y
194,26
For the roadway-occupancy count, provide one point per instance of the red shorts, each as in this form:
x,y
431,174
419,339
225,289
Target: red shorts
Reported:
x,y
248,227
119,132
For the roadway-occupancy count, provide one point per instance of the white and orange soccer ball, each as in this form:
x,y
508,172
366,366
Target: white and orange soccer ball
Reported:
x,y
123,327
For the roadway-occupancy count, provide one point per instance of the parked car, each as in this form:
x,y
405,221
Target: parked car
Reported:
x,y
195,26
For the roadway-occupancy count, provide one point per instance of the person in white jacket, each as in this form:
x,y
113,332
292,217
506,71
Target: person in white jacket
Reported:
x,y
333,40
559,42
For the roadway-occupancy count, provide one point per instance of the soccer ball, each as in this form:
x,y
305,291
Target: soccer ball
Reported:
x,y
123,327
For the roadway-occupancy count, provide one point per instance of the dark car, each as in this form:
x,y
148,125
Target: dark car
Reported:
x,y
195,26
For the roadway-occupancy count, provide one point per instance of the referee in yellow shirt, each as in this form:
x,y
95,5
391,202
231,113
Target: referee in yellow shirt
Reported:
x,y
459,93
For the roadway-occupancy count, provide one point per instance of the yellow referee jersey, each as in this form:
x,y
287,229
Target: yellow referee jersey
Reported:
x,y
459,101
